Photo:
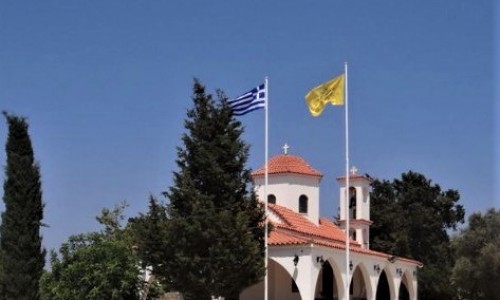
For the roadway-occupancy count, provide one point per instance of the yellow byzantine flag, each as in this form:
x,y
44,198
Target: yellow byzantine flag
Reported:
x,y
331,91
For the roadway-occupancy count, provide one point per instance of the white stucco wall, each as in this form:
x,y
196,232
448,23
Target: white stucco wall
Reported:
x,y
288,188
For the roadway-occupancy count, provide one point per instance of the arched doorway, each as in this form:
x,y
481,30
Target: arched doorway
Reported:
x,y
326,285
383,290
404,294
357,288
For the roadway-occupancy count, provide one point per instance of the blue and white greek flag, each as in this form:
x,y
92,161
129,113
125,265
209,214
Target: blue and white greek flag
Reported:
x,y
249,101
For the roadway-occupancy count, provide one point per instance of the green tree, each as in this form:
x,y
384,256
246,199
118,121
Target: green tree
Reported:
x,y
214,244
22,258
149,235
96,265
477,268
412,217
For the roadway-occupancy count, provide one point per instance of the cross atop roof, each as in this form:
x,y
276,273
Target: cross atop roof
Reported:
x,y
354,170
285,148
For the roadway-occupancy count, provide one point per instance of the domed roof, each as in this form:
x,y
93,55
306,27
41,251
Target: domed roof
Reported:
x,y
287,163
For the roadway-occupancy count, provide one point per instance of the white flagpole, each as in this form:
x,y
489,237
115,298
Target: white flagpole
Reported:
x,y
266,178
347,235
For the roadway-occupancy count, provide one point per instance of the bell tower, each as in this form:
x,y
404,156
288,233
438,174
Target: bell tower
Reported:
x,y
357,204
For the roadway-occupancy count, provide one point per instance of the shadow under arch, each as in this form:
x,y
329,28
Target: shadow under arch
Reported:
x,y
360,288
405,287
389,275
329,282
383,289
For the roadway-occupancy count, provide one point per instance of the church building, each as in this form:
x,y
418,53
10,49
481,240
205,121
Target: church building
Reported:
x,y
307,253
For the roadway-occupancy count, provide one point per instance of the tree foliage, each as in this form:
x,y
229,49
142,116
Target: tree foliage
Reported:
x,y
96,265
212,243
412,217
22,256
149,234
477,268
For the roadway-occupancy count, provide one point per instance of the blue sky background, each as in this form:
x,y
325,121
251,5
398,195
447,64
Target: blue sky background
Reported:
x,y
105,86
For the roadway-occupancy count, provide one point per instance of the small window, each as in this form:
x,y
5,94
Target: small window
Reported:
x,y
303,204
271,199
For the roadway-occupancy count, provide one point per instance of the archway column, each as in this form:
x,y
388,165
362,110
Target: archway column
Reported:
x,y
413,292
374,279
396,283
307,276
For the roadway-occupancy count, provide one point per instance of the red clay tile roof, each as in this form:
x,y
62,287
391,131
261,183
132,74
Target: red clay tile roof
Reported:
x,y
293,222
281,238
288,164
295,229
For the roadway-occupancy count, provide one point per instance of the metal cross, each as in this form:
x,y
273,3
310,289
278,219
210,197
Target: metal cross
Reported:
x,y
354,170
285,148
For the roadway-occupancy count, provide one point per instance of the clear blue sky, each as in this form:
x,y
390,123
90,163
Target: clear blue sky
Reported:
x,y
105,86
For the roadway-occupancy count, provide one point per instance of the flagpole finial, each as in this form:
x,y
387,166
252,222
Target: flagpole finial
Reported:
x,y
285,148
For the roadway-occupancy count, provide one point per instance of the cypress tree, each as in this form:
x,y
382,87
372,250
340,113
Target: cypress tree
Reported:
x,y
215,237
23,257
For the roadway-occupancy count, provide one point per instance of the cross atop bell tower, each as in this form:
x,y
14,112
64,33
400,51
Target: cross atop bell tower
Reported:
x,y
354,170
